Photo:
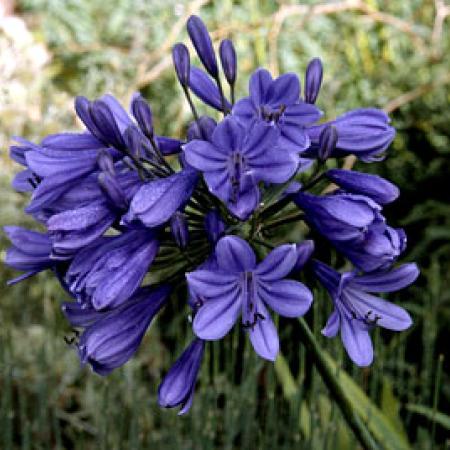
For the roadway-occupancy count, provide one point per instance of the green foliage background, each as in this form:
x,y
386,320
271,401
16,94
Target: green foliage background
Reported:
x,y
383,53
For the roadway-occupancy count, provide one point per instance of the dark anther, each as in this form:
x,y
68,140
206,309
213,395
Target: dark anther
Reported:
x,y
74,339
247,324
32,182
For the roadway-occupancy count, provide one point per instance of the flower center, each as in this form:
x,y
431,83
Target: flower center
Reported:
x,y
250,314
271,115
237,169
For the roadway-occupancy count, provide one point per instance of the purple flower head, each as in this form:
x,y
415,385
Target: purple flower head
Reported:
x,y
228,59
242,286
363,132
182,63
373,186
156,201
112,339
205,89
203,45
278,103
142,112
177,387
313,80
355,226
106,273
357,311
30,252
236,159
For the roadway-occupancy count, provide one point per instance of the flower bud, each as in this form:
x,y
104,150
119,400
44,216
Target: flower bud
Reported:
x,y
182,63
313,80
142,113
203,45
327,142
228,59
179,229
133,140
178,385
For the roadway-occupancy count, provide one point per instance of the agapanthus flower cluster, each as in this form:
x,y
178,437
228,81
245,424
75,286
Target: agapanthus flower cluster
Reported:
x,y
118,201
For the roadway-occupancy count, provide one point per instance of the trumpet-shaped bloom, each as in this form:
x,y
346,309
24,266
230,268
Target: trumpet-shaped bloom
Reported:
x,y
30,252
177,387
241,286
363,132
107,272
113,337
357,311
278,102
355,226
236,159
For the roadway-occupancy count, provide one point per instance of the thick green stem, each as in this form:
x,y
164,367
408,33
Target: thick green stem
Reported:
x,y
328,376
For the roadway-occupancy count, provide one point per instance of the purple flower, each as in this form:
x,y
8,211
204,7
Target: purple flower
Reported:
x,y
30,252
373,186
177,387
236,159
355,226
240,285
363,132
156,201
107,272
278,102
357,311
113,338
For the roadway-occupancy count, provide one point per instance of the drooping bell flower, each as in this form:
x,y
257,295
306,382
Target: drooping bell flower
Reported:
x,y
373,186
357,311
178,386
156,201
363,132
355,226
106,273
30,252
241,286
112,339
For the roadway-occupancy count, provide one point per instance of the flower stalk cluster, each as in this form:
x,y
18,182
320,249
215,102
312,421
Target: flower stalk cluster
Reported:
x,y
118,201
